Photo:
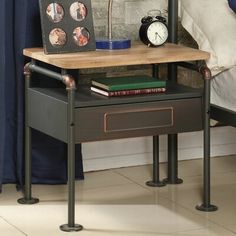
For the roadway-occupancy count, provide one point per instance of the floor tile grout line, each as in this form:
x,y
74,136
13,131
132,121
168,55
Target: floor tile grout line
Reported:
x,y
133,181
91,189
198,214
14,226
223,226
186,208
191,230
212,221
203,228
163,177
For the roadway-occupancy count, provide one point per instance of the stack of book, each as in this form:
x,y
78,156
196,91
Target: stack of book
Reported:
x,y
132,85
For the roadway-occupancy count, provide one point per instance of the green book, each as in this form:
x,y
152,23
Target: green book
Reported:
x,y
126,83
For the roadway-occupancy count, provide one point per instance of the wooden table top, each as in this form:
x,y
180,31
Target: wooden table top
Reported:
x,y
138,54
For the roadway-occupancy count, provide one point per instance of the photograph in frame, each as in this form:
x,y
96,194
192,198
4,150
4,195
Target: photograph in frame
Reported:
x,y
67,26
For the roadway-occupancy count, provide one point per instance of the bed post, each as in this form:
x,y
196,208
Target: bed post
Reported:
x,y
172,177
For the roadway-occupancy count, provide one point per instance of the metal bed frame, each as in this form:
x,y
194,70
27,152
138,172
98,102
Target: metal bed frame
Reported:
x,y
223,115
172,139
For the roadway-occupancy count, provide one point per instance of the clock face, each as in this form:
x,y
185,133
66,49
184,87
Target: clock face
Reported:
x,y
157,33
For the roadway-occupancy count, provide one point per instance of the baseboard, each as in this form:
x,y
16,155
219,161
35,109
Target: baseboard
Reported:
x,y
138,151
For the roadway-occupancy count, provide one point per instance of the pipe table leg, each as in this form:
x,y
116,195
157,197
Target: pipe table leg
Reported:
x,y
27,199
71,226
173,161
206,205
155,182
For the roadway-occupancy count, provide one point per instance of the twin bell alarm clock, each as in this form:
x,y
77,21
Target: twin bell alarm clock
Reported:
x,y
153,32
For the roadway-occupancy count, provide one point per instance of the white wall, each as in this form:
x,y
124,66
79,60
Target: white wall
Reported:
x,y
138,151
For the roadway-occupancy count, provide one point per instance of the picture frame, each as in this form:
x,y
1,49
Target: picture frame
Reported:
x,y
67,26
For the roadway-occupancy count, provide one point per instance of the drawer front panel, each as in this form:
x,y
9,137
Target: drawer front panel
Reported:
x,y
139,119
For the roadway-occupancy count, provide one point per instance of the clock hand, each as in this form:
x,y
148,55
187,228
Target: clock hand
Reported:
x,y
158,36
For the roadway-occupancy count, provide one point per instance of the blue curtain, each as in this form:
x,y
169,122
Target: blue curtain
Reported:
x,y
20,28
232,4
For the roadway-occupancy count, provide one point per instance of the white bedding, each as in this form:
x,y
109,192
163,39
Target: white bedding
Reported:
x,y
213,26
223,89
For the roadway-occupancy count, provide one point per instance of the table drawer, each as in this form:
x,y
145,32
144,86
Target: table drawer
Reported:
x,y
129,120
138,119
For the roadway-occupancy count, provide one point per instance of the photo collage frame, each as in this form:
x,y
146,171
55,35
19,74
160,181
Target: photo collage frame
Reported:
x,y
67,26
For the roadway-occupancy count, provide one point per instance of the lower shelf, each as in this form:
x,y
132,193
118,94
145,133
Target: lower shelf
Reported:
x,y
85,98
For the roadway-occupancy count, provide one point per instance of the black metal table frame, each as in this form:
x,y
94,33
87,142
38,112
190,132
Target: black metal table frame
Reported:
x,y
172,138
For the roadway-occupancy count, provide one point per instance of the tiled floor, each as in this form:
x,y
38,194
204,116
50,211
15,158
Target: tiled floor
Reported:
x,y
117,202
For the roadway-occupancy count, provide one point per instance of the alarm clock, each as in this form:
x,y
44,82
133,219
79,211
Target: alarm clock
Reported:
x,y
153,31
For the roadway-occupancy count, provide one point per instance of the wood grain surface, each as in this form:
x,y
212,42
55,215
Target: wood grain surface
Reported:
x,y
138,54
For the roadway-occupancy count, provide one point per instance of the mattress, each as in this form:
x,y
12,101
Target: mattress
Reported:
x,y
223,89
